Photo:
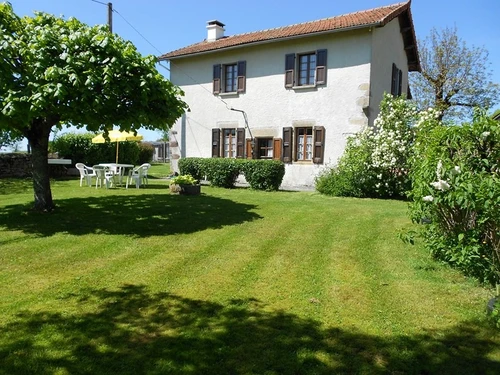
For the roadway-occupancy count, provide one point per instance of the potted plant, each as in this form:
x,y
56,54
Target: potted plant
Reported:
x,y
185,185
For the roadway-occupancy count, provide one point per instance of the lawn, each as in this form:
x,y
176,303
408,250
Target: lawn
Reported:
x,y
140,281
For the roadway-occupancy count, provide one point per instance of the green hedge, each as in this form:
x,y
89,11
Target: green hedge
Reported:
x,y
79,148
264,174
222,172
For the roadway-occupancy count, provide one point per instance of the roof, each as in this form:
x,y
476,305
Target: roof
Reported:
x,y
376,17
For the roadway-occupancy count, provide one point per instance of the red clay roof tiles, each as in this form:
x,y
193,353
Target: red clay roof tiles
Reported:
x,y
367,18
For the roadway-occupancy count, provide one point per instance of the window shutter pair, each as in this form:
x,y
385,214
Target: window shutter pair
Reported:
x,y
217,77
318,143
216,143
321,68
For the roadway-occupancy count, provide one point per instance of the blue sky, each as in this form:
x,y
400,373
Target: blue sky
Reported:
x,y
160,26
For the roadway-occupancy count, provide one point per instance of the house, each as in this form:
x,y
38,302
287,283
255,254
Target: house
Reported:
x,y
294,93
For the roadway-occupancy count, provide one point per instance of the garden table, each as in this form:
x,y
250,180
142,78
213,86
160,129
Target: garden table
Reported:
x,y
118,169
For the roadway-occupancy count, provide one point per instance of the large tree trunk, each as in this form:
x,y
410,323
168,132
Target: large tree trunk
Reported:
x,y
38,138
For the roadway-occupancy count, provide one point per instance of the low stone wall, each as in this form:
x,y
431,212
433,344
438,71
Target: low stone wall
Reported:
x,y
15,165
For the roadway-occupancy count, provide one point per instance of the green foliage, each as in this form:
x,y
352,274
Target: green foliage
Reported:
x,y
79,148
193,166
56,72
222,172
495,314
456,187
184,179
146,152
264,174
375,161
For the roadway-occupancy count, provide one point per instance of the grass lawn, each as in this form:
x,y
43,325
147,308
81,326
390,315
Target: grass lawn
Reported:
x,y
139,281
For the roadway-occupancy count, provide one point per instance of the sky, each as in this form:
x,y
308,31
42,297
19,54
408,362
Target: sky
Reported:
x,y
156,27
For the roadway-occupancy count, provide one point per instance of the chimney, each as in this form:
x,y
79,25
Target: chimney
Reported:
x,y
215,30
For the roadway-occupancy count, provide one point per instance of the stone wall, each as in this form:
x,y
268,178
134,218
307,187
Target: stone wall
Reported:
x,y
15,165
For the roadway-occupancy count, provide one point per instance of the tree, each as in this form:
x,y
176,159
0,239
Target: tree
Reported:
x,y
455,78
56,72
7,139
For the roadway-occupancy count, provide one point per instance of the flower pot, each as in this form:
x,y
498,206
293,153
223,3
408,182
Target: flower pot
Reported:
x,y
185,189
190,189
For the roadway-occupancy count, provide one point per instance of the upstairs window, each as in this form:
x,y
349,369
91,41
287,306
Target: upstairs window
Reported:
x,y
396,81
229,78
306,69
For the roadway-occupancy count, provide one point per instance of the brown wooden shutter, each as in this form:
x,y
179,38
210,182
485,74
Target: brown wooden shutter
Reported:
x,y
287,144
321,67
216,79
289,69
240,143
400,82
215,143
394,79
242,72
249,149
319,144
277,144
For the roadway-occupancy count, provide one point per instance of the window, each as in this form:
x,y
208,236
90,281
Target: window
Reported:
x,y
304,144
228,143
396,81
264,148
309,68
230,78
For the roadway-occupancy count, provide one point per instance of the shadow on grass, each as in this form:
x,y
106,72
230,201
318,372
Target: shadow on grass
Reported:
x,y
138,215
134,331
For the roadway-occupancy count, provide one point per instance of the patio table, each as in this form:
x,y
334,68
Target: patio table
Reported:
x,y
118,169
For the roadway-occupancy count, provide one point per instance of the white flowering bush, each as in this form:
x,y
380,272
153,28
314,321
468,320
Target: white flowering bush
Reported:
x,y
375,162
456,191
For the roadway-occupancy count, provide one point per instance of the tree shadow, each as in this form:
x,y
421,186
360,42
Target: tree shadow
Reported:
x,y
135,215
134,331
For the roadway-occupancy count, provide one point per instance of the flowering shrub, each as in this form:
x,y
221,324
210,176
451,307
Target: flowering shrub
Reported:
x,y
456,190
375,161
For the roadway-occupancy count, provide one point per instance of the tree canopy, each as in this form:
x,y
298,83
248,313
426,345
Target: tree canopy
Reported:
x,y
57,72
455,78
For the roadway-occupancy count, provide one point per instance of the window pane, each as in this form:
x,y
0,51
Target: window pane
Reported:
x,y
230,77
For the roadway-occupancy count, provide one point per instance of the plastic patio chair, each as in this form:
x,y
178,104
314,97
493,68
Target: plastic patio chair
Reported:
x,y
139,175
86,173
104,174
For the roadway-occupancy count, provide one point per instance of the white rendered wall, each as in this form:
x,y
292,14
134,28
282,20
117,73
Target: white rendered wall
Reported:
x,y
338,106
388,48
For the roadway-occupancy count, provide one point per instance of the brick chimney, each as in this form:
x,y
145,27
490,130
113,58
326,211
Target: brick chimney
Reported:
x,y
215,30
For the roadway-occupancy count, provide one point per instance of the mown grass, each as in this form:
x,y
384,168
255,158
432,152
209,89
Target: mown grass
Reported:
x,y
230,282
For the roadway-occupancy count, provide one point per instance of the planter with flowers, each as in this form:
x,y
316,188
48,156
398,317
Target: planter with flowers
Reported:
x,y
185,185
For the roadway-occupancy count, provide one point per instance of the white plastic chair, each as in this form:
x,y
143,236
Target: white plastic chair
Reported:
x,y
86,173
104,174
139,175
